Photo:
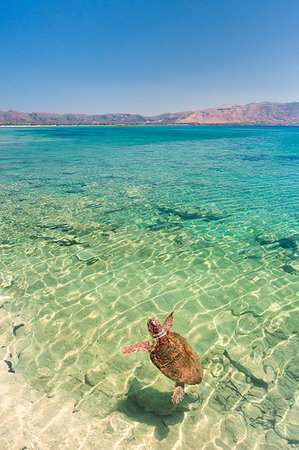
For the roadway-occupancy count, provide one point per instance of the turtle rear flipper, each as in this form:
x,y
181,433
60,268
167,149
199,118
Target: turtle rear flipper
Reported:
x,y
139,347
178,394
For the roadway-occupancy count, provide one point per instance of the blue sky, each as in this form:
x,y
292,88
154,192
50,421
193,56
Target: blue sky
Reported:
x,y
146,56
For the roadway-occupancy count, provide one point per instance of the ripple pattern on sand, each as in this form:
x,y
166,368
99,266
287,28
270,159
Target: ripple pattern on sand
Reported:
x,y
101,231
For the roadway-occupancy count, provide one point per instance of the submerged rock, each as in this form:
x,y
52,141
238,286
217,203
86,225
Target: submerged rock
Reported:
x,y
288,243
193,214
68,242
9,365
62,227
16,328
288,269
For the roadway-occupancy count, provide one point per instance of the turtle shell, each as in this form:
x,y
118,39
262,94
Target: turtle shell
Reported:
x,y
175,358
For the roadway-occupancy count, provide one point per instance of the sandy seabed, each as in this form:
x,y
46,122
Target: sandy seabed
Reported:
x,y
103,228
33,419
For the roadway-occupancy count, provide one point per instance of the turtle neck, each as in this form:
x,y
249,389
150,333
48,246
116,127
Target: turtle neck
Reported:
x,y
160,334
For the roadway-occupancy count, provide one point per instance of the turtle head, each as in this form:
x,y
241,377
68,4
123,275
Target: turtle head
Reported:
x,y
155,328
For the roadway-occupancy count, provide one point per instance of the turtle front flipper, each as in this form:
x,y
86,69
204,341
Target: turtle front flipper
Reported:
x,y
168,322
178,394
139,347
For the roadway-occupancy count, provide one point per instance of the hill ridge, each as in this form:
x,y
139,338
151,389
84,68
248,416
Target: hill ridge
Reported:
x,y
263,113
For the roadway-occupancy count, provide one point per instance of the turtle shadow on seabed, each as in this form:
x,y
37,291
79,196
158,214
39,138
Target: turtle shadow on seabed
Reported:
x,y
153,407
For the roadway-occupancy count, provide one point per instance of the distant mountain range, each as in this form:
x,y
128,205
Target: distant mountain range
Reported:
x,y
265,113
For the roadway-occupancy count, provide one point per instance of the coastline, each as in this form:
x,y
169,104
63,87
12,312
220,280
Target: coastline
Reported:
x,y
230,124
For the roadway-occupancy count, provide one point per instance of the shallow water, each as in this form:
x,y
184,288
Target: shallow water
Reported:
x,y
103,227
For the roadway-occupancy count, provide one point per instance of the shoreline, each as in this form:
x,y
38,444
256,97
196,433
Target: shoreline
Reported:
x,y
33,125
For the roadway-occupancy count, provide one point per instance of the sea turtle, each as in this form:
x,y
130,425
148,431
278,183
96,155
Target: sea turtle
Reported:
x,y
172,354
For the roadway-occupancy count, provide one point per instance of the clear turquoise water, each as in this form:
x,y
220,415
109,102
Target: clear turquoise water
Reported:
x,y
103,227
